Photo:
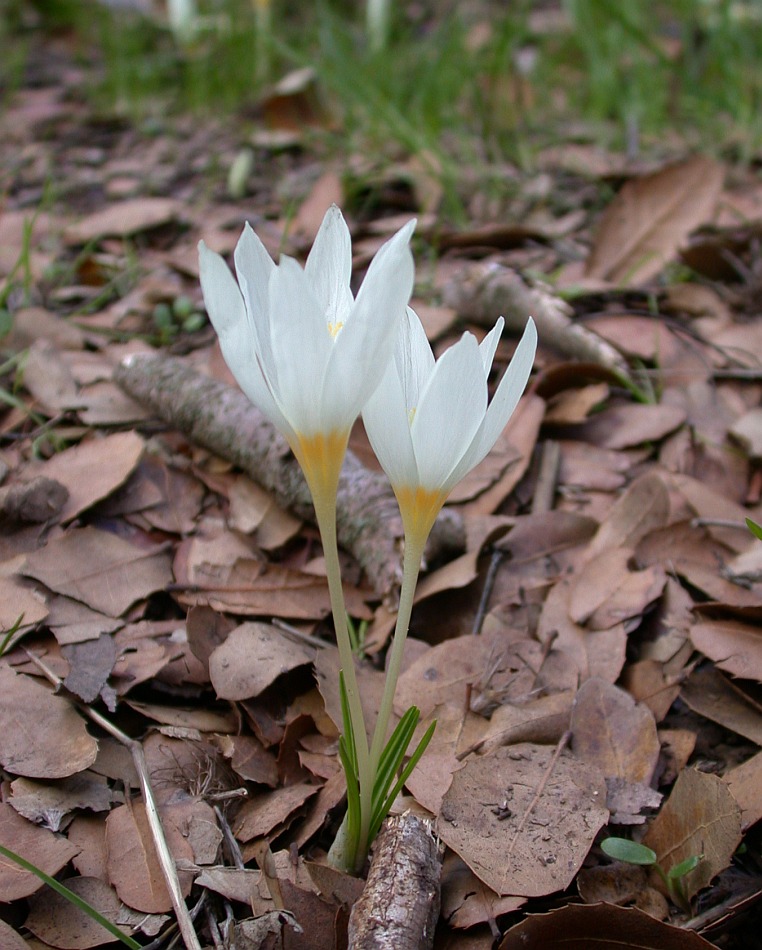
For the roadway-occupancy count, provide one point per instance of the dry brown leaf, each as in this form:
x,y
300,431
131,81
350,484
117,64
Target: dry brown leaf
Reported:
x,y
734,646
253,509
58,922
94,469
49,803
41,734
651,218
88,833
598,653
628,426
123,218
709,693
326,191
467,901
642,508
17,598
133,867
614,734
700,818
263,814
10,939
744,782
46,851
101,569
252,657
522,819
582,926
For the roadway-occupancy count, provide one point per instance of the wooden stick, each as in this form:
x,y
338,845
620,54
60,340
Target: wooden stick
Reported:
x,y
399,908
482,292
222,419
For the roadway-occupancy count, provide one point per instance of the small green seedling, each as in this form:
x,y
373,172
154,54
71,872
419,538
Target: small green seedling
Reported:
x,y
631,852
755,528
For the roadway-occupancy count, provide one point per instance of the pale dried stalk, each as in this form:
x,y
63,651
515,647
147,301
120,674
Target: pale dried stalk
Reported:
x,y
222,419
399,907
482,292
166,861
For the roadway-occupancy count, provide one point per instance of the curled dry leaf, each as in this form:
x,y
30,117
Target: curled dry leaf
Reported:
x,y
523,819
700,818
580,927
41,734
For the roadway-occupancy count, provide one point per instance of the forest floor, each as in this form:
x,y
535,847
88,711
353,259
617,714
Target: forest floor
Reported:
x,y
587,626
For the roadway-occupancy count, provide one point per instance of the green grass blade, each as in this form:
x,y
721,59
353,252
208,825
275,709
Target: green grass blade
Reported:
x,y
71,897
346,717
393,754
377,818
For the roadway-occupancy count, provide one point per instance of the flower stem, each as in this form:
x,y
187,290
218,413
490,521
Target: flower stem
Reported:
x,y
325,512
414,545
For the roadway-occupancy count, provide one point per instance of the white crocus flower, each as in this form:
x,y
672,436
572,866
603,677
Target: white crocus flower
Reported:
x,y
430,423
301,347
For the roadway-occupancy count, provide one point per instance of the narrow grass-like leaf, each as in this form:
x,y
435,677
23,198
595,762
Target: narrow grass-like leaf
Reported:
x,y
376,821
71,897
346,718
353,795
393,754
755,529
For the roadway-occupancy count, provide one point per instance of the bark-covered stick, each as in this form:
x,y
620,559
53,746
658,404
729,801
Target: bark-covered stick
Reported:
x,y
221,419
399,907
481,292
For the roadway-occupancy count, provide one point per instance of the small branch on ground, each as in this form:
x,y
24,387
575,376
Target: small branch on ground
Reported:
x,y
399,908
482,292
221,419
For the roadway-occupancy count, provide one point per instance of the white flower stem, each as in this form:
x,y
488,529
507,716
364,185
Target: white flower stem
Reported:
x,y
414,545
325,512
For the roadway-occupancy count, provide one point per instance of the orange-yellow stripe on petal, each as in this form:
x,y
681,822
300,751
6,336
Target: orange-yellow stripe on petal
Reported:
x,y
419,508
321,457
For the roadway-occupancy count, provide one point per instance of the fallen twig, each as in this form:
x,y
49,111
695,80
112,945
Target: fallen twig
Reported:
x,y
399,907
480,292
222,419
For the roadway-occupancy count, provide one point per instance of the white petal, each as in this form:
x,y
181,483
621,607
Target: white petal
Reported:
x,y
365,346
253,267
329,266
301,345
489,344
505,400
414,359
387,425
222,297
228,315
451,409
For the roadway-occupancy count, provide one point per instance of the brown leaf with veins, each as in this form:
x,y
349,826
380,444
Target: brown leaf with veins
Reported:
x,y
47,851
613,733
524,818
700,818
41,734
101,569
651,218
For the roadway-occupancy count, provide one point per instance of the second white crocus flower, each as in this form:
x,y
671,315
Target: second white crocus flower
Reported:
x,y
430,422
